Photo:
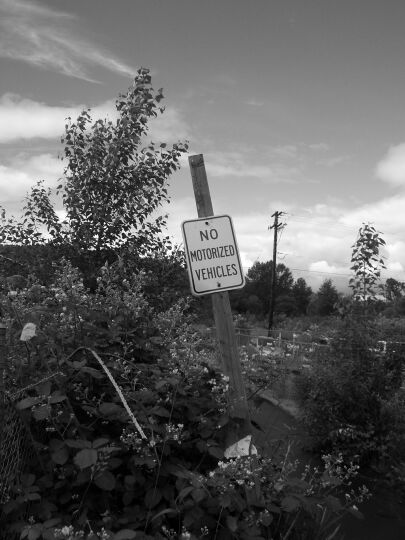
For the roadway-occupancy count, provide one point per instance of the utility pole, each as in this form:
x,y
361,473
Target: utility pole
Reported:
x,y
276,226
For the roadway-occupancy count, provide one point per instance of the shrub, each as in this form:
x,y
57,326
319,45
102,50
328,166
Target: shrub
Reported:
x,y
351,401
129,439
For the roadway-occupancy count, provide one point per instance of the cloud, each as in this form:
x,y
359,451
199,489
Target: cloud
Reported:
x,y
315,246
46,38
319,147
169,127
387,215
391,168
26,119
254,103
17,177
243,165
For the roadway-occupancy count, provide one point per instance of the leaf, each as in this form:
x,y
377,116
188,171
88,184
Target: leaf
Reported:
x,y
356,513
34,532
198,495
161,411
152,498
290,504
106,481
223,420
57,398
100,442
44,389
86,458
60,456
225,500
232,523
184,492
164,512
110,408
33,497
216,452
42,412
56,444
27,480
28,402
124,534
28,332
93,372
266,519
77,443
51,522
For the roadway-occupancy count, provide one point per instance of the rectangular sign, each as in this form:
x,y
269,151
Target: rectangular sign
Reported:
x,y
213,260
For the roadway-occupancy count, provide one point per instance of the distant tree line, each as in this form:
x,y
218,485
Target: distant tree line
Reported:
x,y
293,297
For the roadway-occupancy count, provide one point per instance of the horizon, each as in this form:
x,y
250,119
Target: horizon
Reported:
x,y
296,108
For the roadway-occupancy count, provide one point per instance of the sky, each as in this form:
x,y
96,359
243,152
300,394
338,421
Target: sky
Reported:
x,y
297,107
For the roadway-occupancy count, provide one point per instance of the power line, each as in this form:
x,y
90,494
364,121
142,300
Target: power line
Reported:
x,y
329,224
320,272
324,224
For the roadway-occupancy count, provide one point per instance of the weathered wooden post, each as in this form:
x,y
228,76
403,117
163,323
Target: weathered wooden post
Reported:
x,y
240,426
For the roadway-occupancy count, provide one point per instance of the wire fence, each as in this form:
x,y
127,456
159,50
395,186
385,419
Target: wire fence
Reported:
x,y
17,450
294,354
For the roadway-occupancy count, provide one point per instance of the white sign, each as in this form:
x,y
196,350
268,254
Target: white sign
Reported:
x,y
213,260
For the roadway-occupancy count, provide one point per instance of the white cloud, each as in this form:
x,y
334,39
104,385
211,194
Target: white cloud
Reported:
x,y
316,246
395,267
254,103
22,118
168,127
17,177
391,168
243,165
47,38
319,147
26,119
387,215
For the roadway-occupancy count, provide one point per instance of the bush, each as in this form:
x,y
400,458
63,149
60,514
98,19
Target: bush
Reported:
x,y
127,414
351,399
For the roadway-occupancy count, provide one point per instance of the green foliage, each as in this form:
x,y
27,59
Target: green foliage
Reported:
x,y
146,460
394,289
113,183
302,295
351,399
326,299
366,263
255,297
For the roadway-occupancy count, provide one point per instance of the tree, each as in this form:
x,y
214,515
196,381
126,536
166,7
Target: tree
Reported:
x,y
112,184
393,289
366,263
326,298
302,295
259,283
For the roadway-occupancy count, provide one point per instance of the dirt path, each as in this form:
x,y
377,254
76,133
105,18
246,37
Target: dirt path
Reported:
x,y
384,513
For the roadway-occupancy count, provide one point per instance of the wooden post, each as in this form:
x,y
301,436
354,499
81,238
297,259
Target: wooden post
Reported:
x,y
238,408
276,226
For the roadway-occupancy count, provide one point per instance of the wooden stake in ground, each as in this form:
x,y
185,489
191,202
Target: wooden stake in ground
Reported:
x,y
240,425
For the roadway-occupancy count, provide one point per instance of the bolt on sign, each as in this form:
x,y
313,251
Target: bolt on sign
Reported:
x,y
213,260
